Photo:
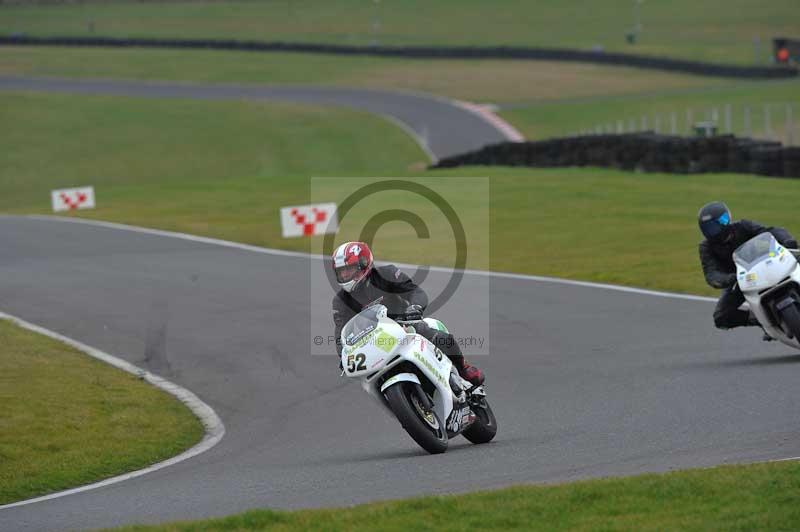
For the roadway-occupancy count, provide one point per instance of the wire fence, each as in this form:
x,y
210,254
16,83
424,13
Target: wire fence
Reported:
x,y
767,121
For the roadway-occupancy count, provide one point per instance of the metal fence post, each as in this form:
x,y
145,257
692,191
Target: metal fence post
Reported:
x,y
673,123
747,129
728,125
767,121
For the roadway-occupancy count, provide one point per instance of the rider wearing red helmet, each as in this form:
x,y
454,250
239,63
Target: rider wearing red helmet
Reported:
x,y
364,284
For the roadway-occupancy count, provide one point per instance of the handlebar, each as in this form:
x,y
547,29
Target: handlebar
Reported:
x,y
402,321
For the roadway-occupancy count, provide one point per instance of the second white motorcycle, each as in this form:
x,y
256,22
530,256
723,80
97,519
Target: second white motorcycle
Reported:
x,y
768,274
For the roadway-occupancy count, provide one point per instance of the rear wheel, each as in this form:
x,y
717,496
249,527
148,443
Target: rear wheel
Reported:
x,y
791,317
485,426
414,409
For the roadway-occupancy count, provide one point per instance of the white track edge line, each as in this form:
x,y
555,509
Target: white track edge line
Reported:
x,y
280,252
212,424
786,459
493,119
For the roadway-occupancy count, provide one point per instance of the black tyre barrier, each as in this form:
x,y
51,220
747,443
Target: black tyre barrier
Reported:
x,y
426,52
644,152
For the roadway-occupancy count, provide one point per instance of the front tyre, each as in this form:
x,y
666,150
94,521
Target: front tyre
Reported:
x,y
414,410
791,317
484,428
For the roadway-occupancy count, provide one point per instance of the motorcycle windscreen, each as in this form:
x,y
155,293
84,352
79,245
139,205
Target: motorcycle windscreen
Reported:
x,y
362,324
755,250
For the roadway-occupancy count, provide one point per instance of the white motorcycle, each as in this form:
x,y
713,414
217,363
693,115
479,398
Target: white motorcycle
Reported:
x,y
768,275
414,380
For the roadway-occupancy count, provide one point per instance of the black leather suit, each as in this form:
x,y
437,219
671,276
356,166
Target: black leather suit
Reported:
x,y
392,288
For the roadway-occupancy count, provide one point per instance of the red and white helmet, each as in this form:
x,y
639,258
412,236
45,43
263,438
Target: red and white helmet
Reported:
x,y
352,262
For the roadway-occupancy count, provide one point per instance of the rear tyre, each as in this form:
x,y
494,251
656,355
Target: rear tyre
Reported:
x,y
414,410
485,426
791,317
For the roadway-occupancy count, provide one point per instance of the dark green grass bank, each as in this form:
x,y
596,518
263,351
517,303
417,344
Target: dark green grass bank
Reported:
x,y
716,30
731,498
67,419
490,80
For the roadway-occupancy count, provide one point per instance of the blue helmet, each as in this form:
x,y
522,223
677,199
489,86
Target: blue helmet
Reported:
x,y
715,220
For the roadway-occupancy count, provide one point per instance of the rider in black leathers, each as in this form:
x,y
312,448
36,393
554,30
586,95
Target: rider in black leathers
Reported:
x,y
723,236
402,298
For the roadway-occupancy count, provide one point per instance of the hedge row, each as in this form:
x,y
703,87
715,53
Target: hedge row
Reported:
x,y
427,52
646,152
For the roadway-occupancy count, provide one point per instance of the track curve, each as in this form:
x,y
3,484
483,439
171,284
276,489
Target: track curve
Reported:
x,y
585,381
441,126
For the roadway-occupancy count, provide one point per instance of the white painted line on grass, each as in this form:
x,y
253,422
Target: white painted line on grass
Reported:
x,y
421,140
283,253
214,428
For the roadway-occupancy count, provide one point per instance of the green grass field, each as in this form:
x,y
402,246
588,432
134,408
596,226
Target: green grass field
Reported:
x,y
68,419
59,140
731,498
223,169
718,30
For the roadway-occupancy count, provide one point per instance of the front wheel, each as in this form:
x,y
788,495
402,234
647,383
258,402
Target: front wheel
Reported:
x,y
484,428
791,317
414,410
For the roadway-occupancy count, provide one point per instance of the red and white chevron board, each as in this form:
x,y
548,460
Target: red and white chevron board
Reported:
x,y
308,220
69,199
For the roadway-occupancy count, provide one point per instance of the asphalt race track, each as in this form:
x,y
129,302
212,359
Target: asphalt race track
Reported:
x,y
441,126
585,381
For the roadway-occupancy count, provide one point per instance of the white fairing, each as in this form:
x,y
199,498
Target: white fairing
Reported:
x,y
373,344
761,264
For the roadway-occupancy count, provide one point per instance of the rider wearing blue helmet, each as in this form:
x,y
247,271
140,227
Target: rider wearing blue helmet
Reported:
x,y
722,237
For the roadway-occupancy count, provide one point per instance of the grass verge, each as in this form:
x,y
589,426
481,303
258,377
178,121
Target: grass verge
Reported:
x,y
729,498
69,420
558,118
223,169
718,30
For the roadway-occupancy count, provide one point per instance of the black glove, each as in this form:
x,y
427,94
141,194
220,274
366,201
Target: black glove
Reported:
x,y
413,313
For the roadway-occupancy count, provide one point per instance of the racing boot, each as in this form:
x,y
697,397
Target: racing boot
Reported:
x,y
470,373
